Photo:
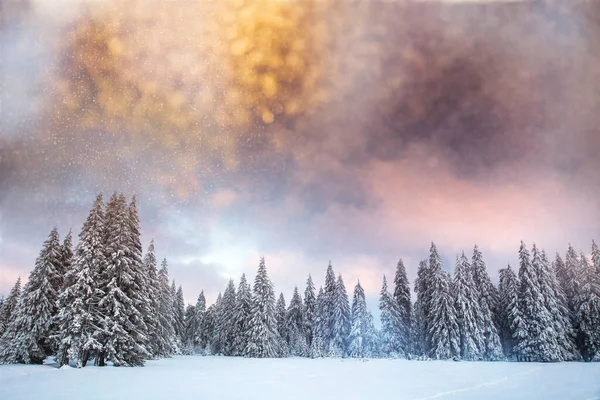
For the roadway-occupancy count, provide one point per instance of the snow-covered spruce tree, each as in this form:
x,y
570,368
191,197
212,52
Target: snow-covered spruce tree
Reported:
x,y
472,341
488,300
178,313
569,278
215,344
341,321
226,320
241,318
443,330
280,310
208,329
423,290
199,345
531,336
328,307
167,344
152,309
190,330
587,314
391,324
310,310
402,297
362,332
317,346
78,319
7,311
27,338
507,303
562,330
140,287
124,334
295,326
263,337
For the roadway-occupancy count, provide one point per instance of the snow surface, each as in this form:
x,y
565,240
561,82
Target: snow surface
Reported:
x,y
196,377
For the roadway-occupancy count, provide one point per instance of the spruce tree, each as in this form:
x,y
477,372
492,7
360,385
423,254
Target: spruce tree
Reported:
x,y
423,290
294,321
152,309
215,343
391,324
226,321
362,332
587,316
190,330
442,327
7,311
310,310
329,294
488,300
208,329
167,344
178,313
263,336
280,311
507,303
472,341
402,297
199,344
242,315
317,346
569,277
341,321
27,339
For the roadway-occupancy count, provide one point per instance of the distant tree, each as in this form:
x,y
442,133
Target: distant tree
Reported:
x,y
178,313
167,344
263,335
190,330
328,308
200,308
341,321
280,312
310,310
294,320
226,322
317,346
391,324
422,308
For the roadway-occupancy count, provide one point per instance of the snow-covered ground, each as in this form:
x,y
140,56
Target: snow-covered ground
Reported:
x,y
181,378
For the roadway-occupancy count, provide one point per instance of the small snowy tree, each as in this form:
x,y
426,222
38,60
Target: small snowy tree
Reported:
x,y
362,333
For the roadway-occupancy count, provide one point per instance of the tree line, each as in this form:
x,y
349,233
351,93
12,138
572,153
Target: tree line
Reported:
x,y
104,301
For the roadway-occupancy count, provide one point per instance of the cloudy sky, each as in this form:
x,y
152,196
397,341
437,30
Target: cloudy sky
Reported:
x,y
302,131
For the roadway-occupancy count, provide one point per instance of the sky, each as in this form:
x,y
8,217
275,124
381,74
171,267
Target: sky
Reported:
x,y
301,131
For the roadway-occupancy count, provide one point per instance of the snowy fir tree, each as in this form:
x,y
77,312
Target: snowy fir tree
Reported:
x,y
28,337
280,311
294,321
362,332
168,343
263,337
507,308
241,317
470,324
317,345
310,310
200,309
207,333
569,277
442,328
488,300
392,327
7,311
587,306
423,288
190,330
178,313
79,316
403,299
341,321
152,311
226,320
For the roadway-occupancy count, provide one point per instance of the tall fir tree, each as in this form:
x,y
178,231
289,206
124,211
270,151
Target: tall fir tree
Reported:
x,y
215,334
507,303
472,341
152,309
423,290
208,329
391,324
442,327
190,330
226,321
310,310
294,321
317,345
27,339
79,317
263,338
178,313
7,311
362,332
242,315
587,306
403,299
199,344
488,300
328,307
569,277
341,321
166,331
